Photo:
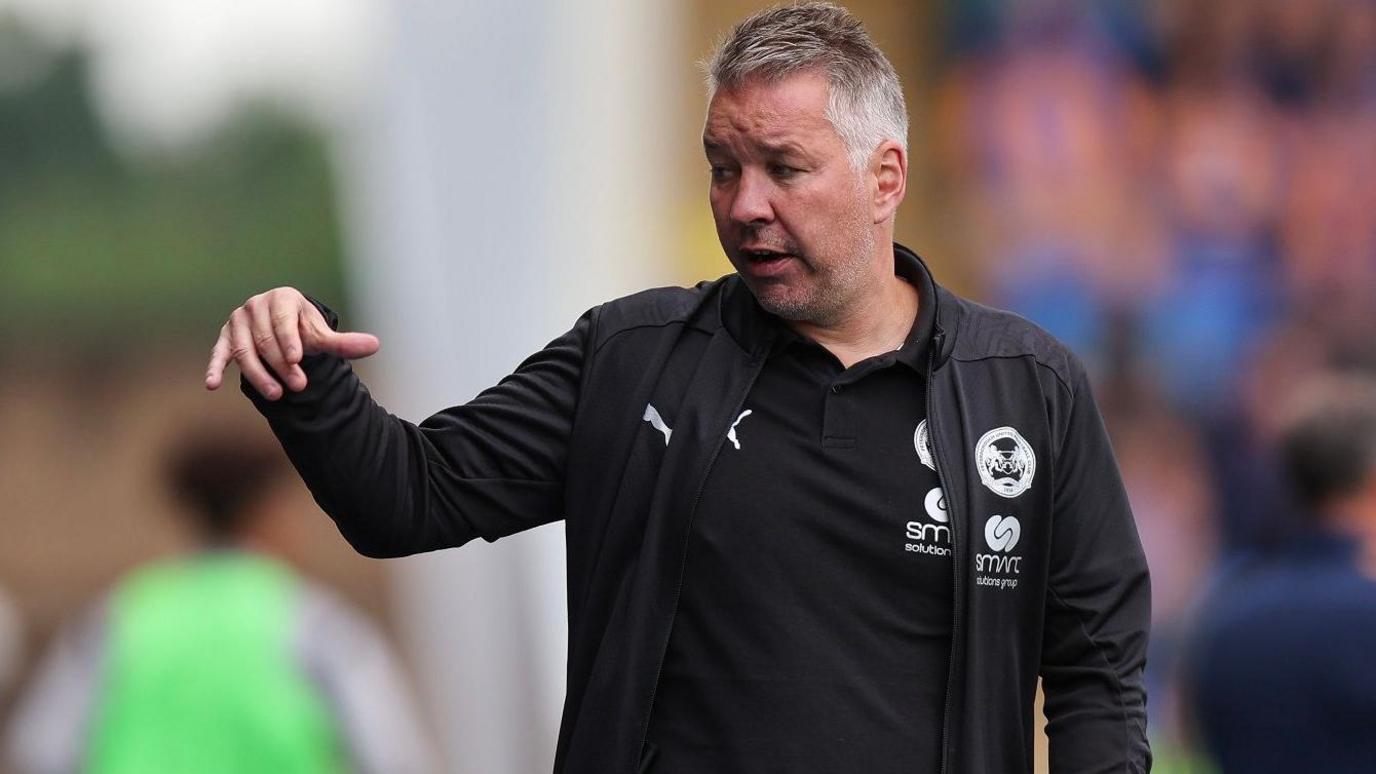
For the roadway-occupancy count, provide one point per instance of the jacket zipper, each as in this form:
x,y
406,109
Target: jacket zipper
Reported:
x,y
936,344
683,564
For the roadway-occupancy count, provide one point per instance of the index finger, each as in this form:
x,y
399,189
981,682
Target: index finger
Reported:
x,y
219,358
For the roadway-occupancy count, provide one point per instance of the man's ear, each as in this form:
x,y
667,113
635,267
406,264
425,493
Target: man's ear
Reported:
x,y
889,165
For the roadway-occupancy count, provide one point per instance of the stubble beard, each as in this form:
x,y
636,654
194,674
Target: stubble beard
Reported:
x,y
832,290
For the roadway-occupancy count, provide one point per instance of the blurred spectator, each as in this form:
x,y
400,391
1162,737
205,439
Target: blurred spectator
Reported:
x,y
11,646
1289,49
1279,670
1351,55
1328,225
221,661
1221,295
1255,507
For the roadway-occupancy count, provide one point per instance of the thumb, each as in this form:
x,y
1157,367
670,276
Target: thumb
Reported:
x,y
318,338
349,346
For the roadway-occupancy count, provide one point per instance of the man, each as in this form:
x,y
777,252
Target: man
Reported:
x,y
223,660
821,514
1280,667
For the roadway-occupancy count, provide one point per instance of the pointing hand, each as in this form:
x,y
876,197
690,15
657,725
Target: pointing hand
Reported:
x,y
278,328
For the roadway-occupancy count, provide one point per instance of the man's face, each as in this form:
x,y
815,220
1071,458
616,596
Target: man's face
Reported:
x,y
794,218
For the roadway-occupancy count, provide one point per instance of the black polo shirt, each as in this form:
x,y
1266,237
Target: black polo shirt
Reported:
x,y
813,629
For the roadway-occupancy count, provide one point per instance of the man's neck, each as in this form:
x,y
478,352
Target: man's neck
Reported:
x,y
879,323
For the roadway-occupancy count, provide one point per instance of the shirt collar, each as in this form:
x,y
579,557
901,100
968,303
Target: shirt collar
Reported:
x,y
913,353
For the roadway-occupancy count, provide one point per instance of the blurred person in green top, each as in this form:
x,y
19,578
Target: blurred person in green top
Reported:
x,y
224,660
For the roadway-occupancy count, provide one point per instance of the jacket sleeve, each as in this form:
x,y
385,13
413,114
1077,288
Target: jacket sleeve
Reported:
x,y
1098,607
489,468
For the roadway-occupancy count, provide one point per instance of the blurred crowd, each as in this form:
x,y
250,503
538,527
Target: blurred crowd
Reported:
x,y
1182,191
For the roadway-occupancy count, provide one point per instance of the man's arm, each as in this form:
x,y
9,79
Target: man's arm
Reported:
x,y
489,468
348,659
48,733
1098,608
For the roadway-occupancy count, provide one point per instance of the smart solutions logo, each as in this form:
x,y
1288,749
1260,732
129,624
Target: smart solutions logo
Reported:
x,y
1001,534
932,538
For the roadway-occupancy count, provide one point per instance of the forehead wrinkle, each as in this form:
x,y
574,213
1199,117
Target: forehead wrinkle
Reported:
x,y
764,130
765,146
777,137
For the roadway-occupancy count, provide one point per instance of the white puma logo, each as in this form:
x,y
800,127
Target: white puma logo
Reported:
x,y
731,434
657,422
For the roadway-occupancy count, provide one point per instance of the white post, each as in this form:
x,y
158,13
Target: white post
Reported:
x,y
511,174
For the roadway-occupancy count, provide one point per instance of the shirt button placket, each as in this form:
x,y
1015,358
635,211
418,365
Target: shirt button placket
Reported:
x,y
838,430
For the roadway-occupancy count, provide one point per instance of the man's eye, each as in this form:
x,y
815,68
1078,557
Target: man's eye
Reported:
x,y
720,174
783,171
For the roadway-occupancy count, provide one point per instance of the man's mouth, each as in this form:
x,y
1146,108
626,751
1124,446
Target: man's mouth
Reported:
x,y
765,262
765,255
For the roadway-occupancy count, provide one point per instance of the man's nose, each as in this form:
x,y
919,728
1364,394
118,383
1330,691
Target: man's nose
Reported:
x,y
751,203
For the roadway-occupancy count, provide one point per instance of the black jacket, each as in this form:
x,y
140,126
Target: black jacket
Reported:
x,y
563,437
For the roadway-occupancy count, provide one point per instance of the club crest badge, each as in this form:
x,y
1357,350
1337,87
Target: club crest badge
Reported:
x,y
922,442
1005,461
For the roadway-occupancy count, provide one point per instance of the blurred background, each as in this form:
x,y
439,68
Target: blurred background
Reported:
x,y
1182,191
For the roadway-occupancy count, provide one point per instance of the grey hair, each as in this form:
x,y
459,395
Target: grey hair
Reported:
x,y
865,100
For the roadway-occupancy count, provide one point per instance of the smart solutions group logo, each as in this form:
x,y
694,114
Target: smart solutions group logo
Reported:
x,y
1000,568
1002,533
934,537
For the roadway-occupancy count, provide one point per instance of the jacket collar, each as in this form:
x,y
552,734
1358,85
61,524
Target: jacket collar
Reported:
x,y
755,330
